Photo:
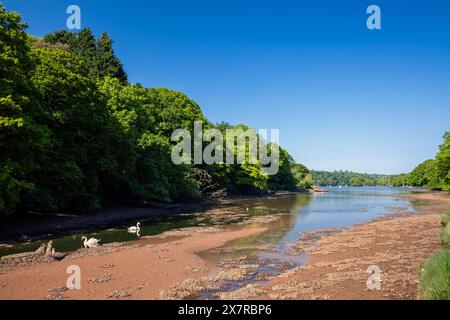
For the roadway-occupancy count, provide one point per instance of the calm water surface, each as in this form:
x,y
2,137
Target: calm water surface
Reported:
x,y
340,207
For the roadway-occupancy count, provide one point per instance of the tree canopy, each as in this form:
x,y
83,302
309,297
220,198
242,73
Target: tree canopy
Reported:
x,y
75,134
98,54
432,173
349,178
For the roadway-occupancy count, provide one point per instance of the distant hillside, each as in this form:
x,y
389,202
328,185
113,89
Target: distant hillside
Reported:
x,y
343,178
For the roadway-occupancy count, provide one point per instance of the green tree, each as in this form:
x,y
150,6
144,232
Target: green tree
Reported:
x,y
246,177
284,179
82,135
21,138
302,176
107,62
98,55
422,174
147,118
434,173
75,135
442,164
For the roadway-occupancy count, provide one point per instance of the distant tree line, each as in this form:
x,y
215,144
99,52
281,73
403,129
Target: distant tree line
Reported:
x,y
349,178
433,173
75,134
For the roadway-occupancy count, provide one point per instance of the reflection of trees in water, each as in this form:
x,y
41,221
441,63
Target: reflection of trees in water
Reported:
x,y
281,204
279,228
256,249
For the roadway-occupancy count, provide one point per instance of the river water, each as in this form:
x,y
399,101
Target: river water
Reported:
x,y
335,209
340,207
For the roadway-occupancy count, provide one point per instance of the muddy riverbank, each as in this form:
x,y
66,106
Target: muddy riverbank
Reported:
x,y
243,261
130,272
35,226
338,263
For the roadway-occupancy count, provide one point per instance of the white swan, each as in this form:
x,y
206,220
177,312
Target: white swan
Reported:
x,y
134,229
91,243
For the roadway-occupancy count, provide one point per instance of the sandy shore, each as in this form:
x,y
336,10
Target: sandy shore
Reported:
x,y
35,226
170,266
338,263
131,272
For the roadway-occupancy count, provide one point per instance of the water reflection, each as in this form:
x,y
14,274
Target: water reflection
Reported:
x,y
340,207
118,234
301,213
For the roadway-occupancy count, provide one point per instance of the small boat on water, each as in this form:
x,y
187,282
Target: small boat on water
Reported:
x,y
319,190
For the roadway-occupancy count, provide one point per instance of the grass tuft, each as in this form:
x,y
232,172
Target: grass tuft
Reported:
x,y
445,218
434,277
445,236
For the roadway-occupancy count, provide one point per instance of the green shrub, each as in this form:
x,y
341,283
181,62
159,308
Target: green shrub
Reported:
x,y
445,236
434,277
445,218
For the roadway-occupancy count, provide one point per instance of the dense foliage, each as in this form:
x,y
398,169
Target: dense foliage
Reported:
x,y
74,134
433,173
348,178
98,54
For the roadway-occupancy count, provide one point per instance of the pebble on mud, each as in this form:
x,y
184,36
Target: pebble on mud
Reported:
x,y
101,279
249,291
183,290
231,274
56,293
118,294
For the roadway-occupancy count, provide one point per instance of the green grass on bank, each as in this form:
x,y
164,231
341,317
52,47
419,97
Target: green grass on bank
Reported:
x,y
445,218
445,236
434,277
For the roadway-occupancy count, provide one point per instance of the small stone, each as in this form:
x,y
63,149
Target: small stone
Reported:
x,y
118,294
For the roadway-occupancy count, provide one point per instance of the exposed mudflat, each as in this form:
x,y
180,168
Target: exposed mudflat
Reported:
x,y
337,269
177,264
123,272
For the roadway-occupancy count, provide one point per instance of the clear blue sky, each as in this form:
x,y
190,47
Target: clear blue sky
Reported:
x,y
343,97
